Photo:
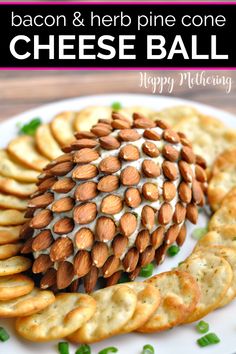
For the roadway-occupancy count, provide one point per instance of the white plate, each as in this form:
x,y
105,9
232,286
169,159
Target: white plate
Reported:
x,y
180,340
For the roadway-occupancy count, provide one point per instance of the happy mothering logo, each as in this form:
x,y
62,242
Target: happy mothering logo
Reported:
x,y
168,83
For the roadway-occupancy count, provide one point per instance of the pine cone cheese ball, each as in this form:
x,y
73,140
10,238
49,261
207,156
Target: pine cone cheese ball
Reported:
x,y
113,203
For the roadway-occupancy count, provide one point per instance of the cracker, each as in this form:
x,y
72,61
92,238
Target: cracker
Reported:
x,y
12,202
221,237
25,305
115,307
12,169
148,300
12,217
68,313
220,184
225,217
24,150
11,186
87,117
9,234
10,250
13,286
213,275
179,296
230,197
175,114
62,127
14,265
224,160
46,143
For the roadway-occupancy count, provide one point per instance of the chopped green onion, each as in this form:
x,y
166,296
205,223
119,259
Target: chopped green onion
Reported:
x,y
83,349
202,327
147,270
208,339
108,350
4,336
198,233
116,106
173,250
124,278
31,127
148,349
63,347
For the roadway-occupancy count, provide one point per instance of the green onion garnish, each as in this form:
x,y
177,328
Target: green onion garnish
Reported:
x,y
202,327
148,349
173,250
146,271
108,350
4,336
116,106
124,278
31,127
208,339
63,347
83,349
198,233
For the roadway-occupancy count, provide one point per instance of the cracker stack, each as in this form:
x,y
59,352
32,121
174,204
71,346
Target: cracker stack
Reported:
x,y
114,202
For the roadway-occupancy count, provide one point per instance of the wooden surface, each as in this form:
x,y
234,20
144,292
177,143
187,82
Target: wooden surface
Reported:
x,y
22,90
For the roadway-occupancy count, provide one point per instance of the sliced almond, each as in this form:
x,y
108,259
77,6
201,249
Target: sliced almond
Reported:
x,y
179,214
165,214
112,204
128,224
185,171
130,260
150,191
185,192
61,249
170,153
65,274
133,197
157,237
151,135
63,205
109,143
99,254
108,184
90,279
42,241
169,191
188,155
148,217
171,136
48,279
142,240
61,169
130,176
111,266
63,226
129,153
86,191
105,228
41,219
182,235
147,256
84,238
150,149
85,172
82,263
41,264
63,185
85,155
170,170
119,245
192,213
129,135
151,169
110,165
85,213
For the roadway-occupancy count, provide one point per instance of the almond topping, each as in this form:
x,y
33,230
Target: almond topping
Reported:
x,y
42,241
161,124
179,214
85,134
83,143
90,279
41,264
129,153
84,238
128,224
63,185
182,235
85,213
61,169
169,191
85,172
41,219
186,171
142,240
157,237
151,135
188,155
132,197
48,279
61,249
129,135
170,170
101,130
82,263
63,205
148,217
147,256
185,192
47,184
112,204
150,149
111,266
119,245
161,253
105,121
172,234
171,136
85,156
144,123
108,184
120,124
105,229
109,143
118,115
130,176
86,191
165,214
170,153
151,169
150,192
26,231
130,260
63,226
201,162
73,288
200,174
99,253
114,278
198,195
110,165
65,274
27,246
192,213
135,273
59,159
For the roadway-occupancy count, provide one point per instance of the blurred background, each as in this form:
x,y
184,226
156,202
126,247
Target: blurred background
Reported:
x,y
22,90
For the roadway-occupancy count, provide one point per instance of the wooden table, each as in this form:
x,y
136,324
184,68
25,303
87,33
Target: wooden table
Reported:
x,y
22,90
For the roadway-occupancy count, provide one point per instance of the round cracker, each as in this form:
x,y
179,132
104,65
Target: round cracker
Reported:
x,y
224,161
12,202
13,286
68,313
23,149
46,143
179,296
87,117
225,217
25,305
12,217
230,197
175,114
213,275
9,250
62,127
115,307
14,265
11,186
221,237
148,300
9,234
